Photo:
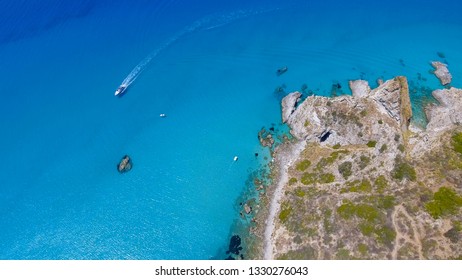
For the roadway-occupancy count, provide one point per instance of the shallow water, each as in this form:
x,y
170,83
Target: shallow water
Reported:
x,y
63,131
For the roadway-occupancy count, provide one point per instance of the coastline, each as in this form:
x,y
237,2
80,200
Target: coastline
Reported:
x,y
284,156
367,187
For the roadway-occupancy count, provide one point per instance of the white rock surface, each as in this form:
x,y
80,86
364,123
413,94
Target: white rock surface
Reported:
x,y
289,104
360,88
442,72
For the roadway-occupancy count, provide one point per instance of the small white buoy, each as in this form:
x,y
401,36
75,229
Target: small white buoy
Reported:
x,y
235,158
162,115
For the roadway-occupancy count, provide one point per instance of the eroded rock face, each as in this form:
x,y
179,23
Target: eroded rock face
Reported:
x,y
359,88
354,120
442,72
442,117
289,104
393,96
448,113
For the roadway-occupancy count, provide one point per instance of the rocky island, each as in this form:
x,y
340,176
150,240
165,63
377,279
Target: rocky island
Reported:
x,y
360,181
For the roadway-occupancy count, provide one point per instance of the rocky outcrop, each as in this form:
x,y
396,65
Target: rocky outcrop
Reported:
x,y
367,183
265,138
393,96
359,88
448,113
125,164
442,72
441,117
354,120
289,103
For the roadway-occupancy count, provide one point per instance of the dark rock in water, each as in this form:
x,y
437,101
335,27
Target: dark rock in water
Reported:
x,y
234,245
441,54
271,129
125,164
401,61
281,70
229,258
256,154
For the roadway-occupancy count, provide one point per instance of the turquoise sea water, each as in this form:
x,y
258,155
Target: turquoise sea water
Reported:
x,y
213,75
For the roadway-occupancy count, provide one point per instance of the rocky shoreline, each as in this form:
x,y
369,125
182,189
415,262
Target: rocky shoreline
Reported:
x,y
361,181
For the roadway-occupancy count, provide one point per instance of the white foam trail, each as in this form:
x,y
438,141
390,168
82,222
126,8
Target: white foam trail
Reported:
x,y
207,23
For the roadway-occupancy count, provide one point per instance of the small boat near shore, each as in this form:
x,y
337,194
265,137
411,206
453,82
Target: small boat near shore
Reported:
x,y
120,90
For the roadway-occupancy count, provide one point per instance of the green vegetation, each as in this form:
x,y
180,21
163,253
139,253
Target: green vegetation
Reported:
x,y
326,178
308,178
363,113
381,183
286,210
305,253
345,169
445,202
323,178
403,170
343,254
385,235
323,162
292,181
299,192
383,148
364,161
348,209
303,165
371,144
363,186
336,146
401,148
386,202
371,221
380,121
397,137
457,142
363,249
307,123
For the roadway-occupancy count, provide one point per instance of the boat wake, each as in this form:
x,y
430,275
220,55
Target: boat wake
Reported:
x,y
206,23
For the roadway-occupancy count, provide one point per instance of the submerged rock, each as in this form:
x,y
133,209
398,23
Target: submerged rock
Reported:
x,y
234,245
125,164
281,70
265,138
247,209
442,72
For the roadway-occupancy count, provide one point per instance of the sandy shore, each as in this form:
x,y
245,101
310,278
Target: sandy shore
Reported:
x,y
284,157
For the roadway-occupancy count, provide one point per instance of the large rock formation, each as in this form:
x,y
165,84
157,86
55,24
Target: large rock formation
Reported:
x,y
442,72
442,117
348,120
364,187
289,103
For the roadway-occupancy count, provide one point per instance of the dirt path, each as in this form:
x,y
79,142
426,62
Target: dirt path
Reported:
x,y
414,239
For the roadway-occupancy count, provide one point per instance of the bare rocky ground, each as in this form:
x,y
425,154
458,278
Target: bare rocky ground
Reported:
x,y
368,184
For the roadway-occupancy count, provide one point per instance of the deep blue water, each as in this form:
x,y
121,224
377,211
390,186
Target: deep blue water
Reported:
x,y
63,131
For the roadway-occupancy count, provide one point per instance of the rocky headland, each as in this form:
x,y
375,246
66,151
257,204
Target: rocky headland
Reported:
x,y
360,181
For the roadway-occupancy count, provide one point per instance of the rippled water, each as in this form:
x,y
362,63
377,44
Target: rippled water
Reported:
x,y
63,131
